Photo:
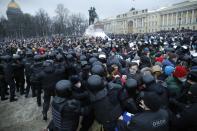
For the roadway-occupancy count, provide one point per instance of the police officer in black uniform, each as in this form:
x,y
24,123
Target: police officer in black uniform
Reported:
x,y
48,77
19,73
28,62
8,71
65,110
35,69
3,85
153,118
107,108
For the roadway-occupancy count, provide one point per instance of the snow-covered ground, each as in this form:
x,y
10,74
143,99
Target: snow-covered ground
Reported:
x,y
22,115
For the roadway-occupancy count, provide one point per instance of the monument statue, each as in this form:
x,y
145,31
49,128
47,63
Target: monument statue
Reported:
x,y
92,15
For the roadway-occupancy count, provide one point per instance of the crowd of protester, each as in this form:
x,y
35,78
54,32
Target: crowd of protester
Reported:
x,y
132,82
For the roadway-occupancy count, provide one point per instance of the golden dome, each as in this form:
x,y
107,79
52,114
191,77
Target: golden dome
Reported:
x,y
13,4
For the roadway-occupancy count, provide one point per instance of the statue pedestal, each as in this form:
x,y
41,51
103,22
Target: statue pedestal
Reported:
x,y
95,31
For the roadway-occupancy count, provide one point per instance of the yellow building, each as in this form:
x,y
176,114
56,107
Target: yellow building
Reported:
x,y
175,17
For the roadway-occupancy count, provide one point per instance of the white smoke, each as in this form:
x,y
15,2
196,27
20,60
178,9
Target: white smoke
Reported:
x,y
91,31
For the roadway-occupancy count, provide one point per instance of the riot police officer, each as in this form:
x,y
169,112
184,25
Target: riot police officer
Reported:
x,y
35,69
28,62
8,71
106,106
65,110
18,73
3,84
48,77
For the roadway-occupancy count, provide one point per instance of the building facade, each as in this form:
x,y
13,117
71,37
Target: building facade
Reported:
x,y
175,17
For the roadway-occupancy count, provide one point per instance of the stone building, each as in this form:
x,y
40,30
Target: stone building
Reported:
x,y
175,17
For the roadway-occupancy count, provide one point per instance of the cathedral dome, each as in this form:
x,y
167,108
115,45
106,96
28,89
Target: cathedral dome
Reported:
x,y
13,10
13,5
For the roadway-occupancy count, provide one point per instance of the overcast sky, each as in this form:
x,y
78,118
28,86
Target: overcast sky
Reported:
x,y
104,8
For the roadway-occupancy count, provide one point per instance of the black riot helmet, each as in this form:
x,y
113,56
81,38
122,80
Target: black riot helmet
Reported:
x,y
59,58
37,58
83,58
51,56
148,79
63,88
97,63
95,83
98,70
6,58
29,54
131,85
92,60
16,57
70,57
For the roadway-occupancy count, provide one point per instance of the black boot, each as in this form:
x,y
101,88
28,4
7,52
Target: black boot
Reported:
x,y
13,99
44,116
4,98
39,103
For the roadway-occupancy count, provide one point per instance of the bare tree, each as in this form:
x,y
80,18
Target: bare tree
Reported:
x,y
61,19
78,23
42,22
26,25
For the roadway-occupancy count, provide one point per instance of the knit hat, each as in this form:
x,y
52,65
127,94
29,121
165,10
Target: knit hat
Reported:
x,y
168,70
180,72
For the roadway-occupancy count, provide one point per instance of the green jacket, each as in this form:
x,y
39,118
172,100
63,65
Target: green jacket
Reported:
x,y
174,86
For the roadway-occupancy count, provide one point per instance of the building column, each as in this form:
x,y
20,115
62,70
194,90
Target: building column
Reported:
x,y
187,17
136,23
177,18
172,18
181,17
167,19
163,20
192,16
142,22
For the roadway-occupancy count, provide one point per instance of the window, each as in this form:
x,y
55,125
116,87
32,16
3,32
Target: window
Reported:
x,y
193,27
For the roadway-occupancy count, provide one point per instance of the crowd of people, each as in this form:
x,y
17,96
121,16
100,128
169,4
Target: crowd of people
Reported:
x,y
128,83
